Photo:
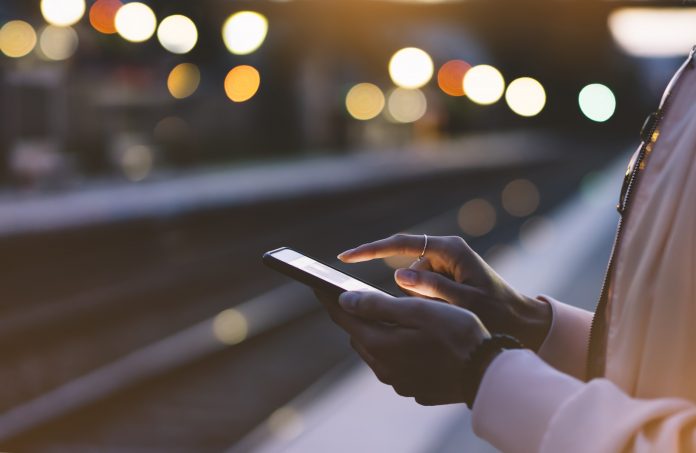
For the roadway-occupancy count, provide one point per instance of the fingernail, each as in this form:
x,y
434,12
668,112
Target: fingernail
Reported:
x,y
407,276
343,254
349,300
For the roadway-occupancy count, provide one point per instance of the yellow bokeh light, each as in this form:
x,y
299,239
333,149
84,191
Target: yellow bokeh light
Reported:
x,y
62,13
406,106
364,101
17,39
520,198
230,327
242,83
135,22
597,102
411,68
525,96
244,32
484,84
183,80
477,217
58,43
178,34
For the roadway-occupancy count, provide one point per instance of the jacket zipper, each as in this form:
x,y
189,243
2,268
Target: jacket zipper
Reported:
x,y
596,353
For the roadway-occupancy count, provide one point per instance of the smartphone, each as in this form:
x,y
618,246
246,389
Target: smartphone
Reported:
x,y
314,273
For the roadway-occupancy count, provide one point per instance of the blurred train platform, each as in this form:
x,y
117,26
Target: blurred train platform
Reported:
x,y
139,316
564,257
170,194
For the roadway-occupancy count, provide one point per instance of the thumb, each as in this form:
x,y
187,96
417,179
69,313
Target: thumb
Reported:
x,y
372,306
430,284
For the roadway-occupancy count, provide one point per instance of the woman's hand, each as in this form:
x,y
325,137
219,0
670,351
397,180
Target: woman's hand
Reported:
x,y
451,271
418,347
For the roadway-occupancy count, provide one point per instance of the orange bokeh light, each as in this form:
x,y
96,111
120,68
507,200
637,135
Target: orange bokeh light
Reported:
x,y
102,15
242,83
450,77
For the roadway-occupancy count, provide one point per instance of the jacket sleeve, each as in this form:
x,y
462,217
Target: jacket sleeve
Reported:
x,y
565,346
524,405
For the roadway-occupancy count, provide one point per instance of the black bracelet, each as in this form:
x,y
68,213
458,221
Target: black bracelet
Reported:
x,y
481,357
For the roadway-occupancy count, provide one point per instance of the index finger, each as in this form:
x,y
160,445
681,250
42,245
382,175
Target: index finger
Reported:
x,y
399,244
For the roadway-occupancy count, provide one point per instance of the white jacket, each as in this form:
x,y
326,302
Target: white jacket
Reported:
x,y
647,401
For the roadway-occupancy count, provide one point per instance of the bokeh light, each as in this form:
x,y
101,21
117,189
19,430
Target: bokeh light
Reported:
x,y
244,32
242,83
484,84
411,68
476,217
135,22
525,96
406,106
654,31
183,80
230,327
450,77
62,13
102,15
597,102
136,162
178,34
285,423
520,198
58,43
17,39
364,101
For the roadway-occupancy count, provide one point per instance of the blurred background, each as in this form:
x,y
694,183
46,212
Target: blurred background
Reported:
x,y
151,151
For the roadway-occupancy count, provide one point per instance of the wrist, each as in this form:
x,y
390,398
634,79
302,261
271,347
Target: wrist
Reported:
x,y
534,322
480,359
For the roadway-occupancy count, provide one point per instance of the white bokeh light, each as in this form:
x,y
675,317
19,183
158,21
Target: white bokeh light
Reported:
x,y
63,13
136,22
484,84
178,34
525,96
244,32
406,106
58,43
597,102
411,68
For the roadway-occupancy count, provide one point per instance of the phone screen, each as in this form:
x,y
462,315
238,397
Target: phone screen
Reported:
x,y
323,271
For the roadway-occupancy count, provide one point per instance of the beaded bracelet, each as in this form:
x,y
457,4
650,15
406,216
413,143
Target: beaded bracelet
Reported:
x,y
481,357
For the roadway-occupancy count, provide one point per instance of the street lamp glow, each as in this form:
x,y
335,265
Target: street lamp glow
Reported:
x,y
244,32
525,96
411,68
178,34
484,84
63,13
183,80
135,22
597,102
